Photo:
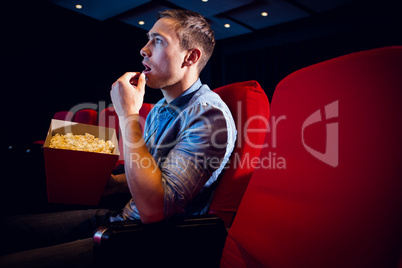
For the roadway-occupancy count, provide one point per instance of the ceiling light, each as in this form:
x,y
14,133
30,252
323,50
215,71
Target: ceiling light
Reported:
x,y
204,1
264,14
141,22
227,25
78,6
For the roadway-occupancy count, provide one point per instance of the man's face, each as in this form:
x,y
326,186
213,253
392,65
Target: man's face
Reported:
x,y
163,56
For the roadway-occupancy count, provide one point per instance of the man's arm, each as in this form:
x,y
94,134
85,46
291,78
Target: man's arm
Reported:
x,y
116,184
198,152
143,177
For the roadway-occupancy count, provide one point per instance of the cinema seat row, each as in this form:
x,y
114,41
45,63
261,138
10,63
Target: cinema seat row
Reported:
x,y
314,180
324,191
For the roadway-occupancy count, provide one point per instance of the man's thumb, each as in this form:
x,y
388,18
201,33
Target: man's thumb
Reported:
x,y
142,81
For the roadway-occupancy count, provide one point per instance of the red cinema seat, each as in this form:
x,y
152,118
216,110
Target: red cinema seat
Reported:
x,y
63,115
144,111
249,106
86,116
108,118
328,192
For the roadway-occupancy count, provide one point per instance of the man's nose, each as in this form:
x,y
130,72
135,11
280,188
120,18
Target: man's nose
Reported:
x,y
145,52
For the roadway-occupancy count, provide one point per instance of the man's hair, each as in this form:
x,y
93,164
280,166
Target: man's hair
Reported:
x,y
193,30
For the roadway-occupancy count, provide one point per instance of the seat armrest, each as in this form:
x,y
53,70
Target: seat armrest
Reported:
x,y
181,241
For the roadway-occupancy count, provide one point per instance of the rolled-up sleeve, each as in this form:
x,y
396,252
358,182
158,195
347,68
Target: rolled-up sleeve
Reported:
x,y
200,149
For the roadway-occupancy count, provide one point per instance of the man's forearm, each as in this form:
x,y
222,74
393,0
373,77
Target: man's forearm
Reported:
x,y
142,172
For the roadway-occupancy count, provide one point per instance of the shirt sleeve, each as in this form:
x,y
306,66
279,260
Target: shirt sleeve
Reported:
x,y
199,151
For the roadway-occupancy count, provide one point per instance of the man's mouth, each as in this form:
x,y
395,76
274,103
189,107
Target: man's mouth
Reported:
x,y
147,68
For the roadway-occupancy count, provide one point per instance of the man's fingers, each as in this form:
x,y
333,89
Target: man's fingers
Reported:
x,y
139,81
127,93
133,78
142,81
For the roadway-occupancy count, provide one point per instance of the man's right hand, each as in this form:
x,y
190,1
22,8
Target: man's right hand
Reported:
x,y
128,93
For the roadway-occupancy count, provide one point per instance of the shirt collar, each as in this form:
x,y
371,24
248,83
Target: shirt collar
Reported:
x,y
193,88
178,103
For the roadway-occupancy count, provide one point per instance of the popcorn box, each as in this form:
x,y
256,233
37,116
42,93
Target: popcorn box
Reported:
x,y
78,177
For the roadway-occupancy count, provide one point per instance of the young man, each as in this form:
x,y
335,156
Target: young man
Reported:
x,y
171,168
190,133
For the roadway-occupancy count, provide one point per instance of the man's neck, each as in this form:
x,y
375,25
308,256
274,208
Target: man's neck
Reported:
x,y
172,92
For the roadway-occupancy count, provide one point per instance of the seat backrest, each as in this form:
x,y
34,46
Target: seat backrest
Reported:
x,y
63,115
86,116
249,106
144,111
108,118
334,196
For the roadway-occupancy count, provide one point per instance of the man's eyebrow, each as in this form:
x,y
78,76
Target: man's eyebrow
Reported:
x,y
152,35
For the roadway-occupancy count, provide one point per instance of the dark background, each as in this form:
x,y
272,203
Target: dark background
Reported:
x,y
54,59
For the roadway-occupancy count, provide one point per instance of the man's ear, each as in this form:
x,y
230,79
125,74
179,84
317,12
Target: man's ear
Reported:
x,y
192,57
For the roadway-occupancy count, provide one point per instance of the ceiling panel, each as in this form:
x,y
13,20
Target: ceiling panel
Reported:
x,y
221,32
278,12
244,16
146,13
212,7
100,9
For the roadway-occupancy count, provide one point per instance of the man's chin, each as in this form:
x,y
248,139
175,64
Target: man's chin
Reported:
x,y
152,83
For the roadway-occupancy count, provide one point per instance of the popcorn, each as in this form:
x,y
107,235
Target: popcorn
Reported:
x,y
85,142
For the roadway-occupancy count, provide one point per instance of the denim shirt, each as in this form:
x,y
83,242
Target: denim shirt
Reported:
x,y
191,139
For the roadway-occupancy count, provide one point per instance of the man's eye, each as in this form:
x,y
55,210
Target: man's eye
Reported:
x,y
158,41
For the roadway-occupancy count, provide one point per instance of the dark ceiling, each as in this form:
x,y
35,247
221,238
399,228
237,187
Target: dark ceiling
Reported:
x,y
243,16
